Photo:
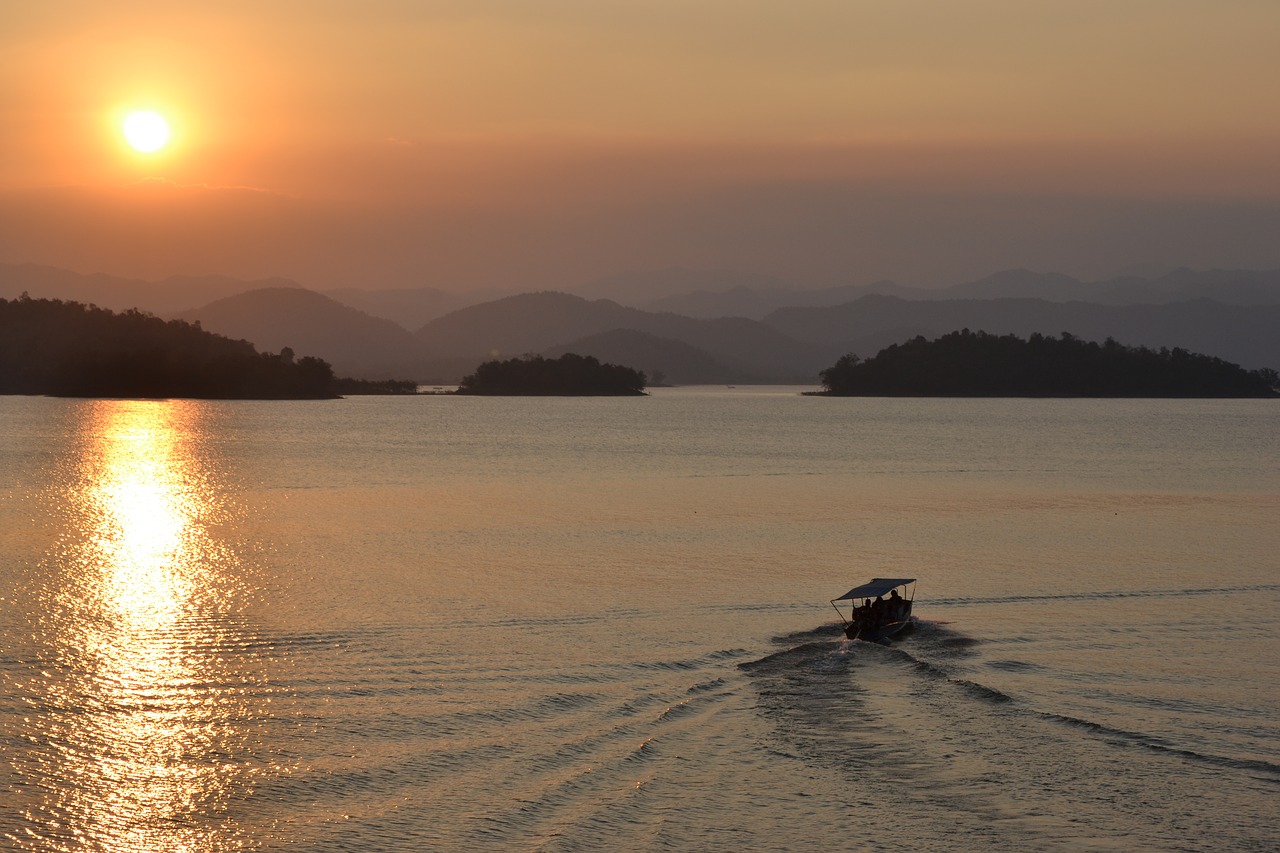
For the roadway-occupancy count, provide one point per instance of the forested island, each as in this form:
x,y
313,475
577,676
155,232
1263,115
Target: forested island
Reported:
x,y
569,375
69,349
978,364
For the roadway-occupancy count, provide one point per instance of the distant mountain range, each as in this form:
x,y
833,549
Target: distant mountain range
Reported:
x,y
1230,287
684,349
538,322
723,293
410,308
756,330
701,294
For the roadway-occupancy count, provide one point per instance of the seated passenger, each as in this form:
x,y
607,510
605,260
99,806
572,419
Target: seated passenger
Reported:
x,y
895,606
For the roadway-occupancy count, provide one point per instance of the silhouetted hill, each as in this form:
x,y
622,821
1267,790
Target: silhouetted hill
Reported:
x,y
536,322
661,359
1231,287
518,325
968,364
411,308
757,304
70,349
1019,284
710,294
353,342
645,288
1249,336
165,297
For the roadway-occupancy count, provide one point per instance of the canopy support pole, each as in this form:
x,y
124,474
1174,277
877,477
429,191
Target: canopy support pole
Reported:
x,y
838,613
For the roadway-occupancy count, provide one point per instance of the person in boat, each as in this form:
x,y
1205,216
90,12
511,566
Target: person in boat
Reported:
x,y
866,615
895,606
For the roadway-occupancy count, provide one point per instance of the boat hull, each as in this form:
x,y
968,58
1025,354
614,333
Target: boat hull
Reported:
x,y
875,635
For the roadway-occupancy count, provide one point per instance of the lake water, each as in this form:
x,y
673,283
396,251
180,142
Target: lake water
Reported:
x,y
385,624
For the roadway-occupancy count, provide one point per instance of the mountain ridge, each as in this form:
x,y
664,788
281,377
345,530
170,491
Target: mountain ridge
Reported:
x,y
529,323
789,344
310,323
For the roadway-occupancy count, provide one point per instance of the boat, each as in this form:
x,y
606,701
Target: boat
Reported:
x,y
881,618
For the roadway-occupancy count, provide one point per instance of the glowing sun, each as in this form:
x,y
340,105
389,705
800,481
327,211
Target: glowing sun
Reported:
x,y
146,131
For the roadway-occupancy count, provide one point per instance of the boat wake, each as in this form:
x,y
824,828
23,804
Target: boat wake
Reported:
x,y
917,720
1109,595
936,654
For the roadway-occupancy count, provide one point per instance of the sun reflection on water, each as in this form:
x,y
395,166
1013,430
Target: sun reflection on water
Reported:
x,y
142,707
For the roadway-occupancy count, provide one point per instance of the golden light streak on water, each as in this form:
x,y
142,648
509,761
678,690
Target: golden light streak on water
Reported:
x,y
143,741
421,625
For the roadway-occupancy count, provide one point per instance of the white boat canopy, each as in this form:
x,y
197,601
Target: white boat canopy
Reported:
x,y
874,587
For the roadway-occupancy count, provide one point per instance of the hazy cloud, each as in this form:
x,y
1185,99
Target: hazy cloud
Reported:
x,y
804,231
543,142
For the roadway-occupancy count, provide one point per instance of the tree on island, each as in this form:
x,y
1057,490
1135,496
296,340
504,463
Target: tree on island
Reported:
x,y
978,364
569,375
68,349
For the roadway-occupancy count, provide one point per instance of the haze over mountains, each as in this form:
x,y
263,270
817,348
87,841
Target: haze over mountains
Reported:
x,y
313,324
163,298
724,293
691,326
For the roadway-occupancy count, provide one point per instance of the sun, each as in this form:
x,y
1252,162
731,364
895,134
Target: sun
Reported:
x,y
145,131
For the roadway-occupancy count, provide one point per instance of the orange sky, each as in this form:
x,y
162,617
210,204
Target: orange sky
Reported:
x,y
518,143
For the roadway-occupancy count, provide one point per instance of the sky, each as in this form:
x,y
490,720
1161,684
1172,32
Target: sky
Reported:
x,y
543,144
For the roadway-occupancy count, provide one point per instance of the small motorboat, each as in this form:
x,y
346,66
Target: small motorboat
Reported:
x,y
873,616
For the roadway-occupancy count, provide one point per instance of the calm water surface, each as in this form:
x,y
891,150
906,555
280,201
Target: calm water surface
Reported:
x,y
581,624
